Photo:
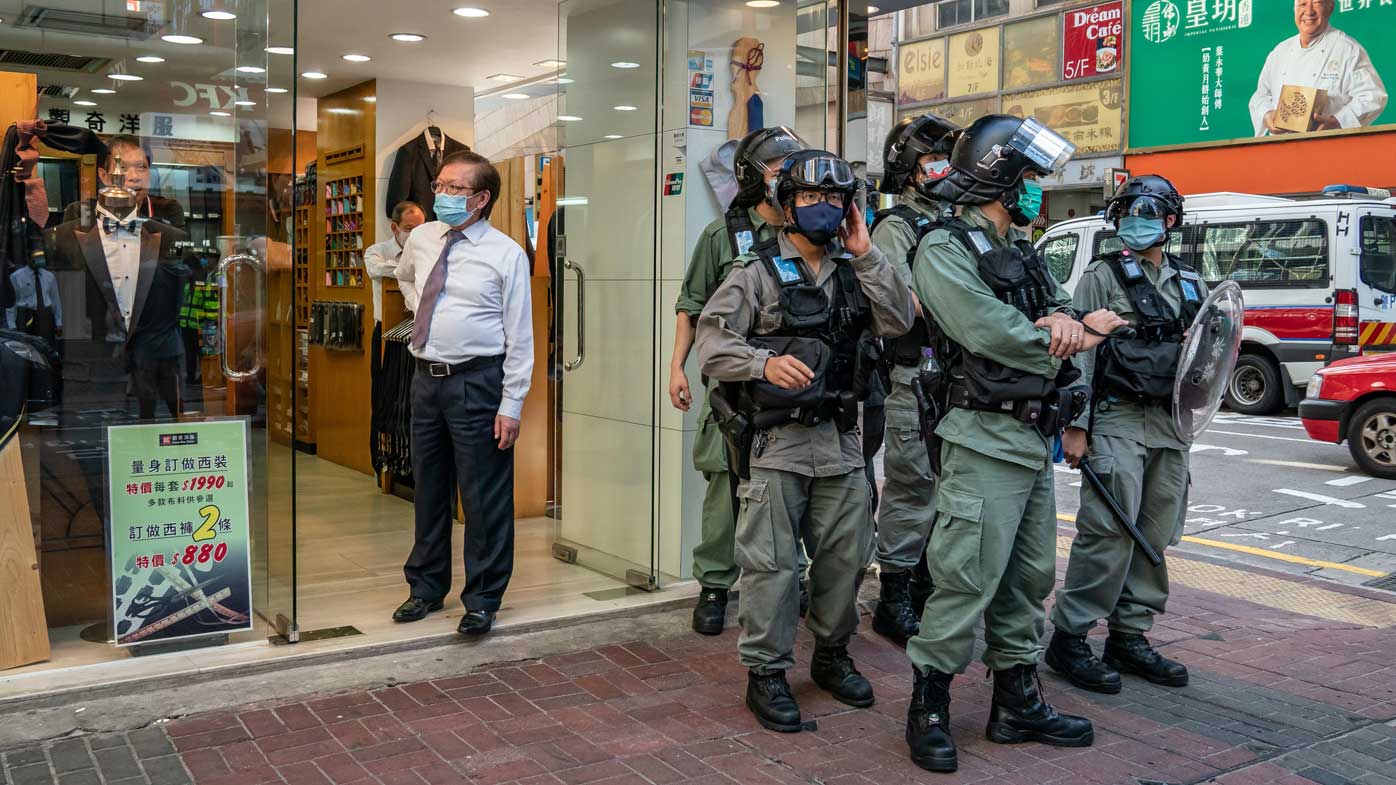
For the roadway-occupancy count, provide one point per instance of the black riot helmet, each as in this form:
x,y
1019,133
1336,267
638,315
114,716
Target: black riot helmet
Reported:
x,y
815,170
1148,196
753,156
909,139
992,155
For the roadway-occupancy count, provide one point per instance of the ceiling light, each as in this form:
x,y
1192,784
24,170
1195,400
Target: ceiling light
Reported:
x,y
219,16
551,63
353,58
516,96
102,90
624,108
315,75
150,59
562,80
277,90
244,103
408,38
85,103
625,64
370,99
762,3
125,77
872,9
470,12
220,114
280,50
503,78
187,40
568,118
614,136
251,69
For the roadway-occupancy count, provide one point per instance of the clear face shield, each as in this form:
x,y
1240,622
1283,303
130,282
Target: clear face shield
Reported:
x,y
1045,148
772,151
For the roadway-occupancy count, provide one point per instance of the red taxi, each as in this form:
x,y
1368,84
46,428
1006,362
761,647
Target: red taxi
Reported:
x,y
1355,400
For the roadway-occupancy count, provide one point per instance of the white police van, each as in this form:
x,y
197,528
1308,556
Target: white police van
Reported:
x,y
1319,275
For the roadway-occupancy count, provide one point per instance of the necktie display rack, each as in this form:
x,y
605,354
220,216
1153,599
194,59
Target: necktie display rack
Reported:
x,y
392,441
337,325
344,232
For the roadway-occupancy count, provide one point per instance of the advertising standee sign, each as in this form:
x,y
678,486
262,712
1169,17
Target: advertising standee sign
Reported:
x,y
1220,70
1093,40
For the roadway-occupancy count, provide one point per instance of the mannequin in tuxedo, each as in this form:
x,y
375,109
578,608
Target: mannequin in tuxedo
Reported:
x,y
415,166
136,168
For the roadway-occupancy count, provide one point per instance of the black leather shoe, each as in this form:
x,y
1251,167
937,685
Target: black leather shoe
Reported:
x,y
928,722
768,696
476,622
1020,714
1072,657
804,596
415,609
893,617
1131,653
833,670
711,612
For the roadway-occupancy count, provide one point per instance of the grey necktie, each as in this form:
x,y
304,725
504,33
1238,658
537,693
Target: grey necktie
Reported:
x,y
421,324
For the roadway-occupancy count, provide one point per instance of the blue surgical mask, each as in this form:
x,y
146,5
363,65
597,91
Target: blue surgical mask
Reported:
x,y
819,223
1141,234
453,210
1029,204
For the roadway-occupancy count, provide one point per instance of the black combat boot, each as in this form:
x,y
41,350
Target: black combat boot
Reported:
x,y
768,696
1131,653
1072,657
711,611
1020,714
920,588
832,669
928,722
893,616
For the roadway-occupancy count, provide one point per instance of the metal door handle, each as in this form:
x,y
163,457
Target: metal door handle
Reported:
x,y
581,314
225,322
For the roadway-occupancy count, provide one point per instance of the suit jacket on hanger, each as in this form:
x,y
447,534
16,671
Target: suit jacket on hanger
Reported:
x,y
414,169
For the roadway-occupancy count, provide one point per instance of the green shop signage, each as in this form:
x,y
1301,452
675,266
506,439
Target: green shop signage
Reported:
x,y
1209,71
180,533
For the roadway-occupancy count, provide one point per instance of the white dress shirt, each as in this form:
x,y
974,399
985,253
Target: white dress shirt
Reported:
x,y
1335,63
485,308
123,251
27,294
380,260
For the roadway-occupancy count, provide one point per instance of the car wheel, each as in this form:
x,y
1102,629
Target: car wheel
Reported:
x,y
1255,386
1372,437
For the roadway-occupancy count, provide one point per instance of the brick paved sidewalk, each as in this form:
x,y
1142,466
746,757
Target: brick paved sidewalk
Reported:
x,y
1276,697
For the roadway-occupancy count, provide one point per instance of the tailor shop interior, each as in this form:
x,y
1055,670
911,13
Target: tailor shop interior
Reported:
x,y
210,181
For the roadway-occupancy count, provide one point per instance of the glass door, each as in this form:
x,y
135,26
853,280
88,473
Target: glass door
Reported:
x,y
607,273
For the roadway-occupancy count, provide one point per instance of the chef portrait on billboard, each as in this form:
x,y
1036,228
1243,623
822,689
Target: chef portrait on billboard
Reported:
x,y
1318,80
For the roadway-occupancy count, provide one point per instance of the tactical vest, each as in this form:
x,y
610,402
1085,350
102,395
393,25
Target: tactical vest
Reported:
x,y
741,233
831,335
1018,277
1143,368
906,350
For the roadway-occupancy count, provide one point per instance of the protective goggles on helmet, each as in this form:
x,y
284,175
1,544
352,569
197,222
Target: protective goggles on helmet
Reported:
x,y
1045,148
1147,207
822,172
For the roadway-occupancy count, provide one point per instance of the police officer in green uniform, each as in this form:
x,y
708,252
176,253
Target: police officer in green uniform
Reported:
x,y
753,218
1130,442
790,336
1004,327
915,155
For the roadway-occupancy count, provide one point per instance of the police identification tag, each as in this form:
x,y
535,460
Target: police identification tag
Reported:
x,y
1190,290
981,243
744,241
788,271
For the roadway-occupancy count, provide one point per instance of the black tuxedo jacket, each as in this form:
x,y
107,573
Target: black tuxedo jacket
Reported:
x,y
166,211
414,170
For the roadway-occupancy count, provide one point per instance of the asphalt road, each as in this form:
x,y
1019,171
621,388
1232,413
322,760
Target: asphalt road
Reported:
x,y
1265,494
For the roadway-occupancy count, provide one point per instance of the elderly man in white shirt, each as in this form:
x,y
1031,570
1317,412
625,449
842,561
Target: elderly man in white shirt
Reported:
x,y
1322,57
468,285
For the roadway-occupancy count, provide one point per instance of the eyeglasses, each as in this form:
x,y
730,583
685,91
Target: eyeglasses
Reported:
x,y
451,189
809,198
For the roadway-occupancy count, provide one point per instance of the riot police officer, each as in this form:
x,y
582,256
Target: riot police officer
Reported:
x,y
789,335
752,219
915,155
1128,437
1003,328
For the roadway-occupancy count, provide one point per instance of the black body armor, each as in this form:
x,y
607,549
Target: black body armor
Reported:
x,y
1142,368
906,350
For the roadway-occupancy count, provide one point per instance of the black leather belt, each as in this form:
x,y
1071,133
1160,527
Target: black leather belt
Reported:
x,y
449,369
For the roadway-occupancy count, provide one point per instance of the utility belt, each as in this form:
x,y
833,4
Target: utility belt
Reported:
x,y
906,350
1046,414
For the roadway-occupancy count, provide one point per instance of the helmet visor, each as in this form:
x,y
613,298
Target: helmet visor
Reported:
x,y
1047,149
770,151
1150,207
823,172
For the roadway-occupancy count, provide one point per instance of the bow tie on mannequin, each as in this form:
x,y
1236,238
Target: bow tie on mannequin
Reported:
x,y
111,225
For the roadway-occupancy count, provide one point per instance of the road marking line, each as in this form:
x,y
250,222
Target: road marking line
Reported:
x,y
1352,479
1324,467
1318,497
1269,554
1262,436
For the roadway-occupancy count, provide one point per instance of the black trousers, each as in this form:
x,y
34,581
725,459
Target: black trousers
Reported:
x,y
454,449
375,373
